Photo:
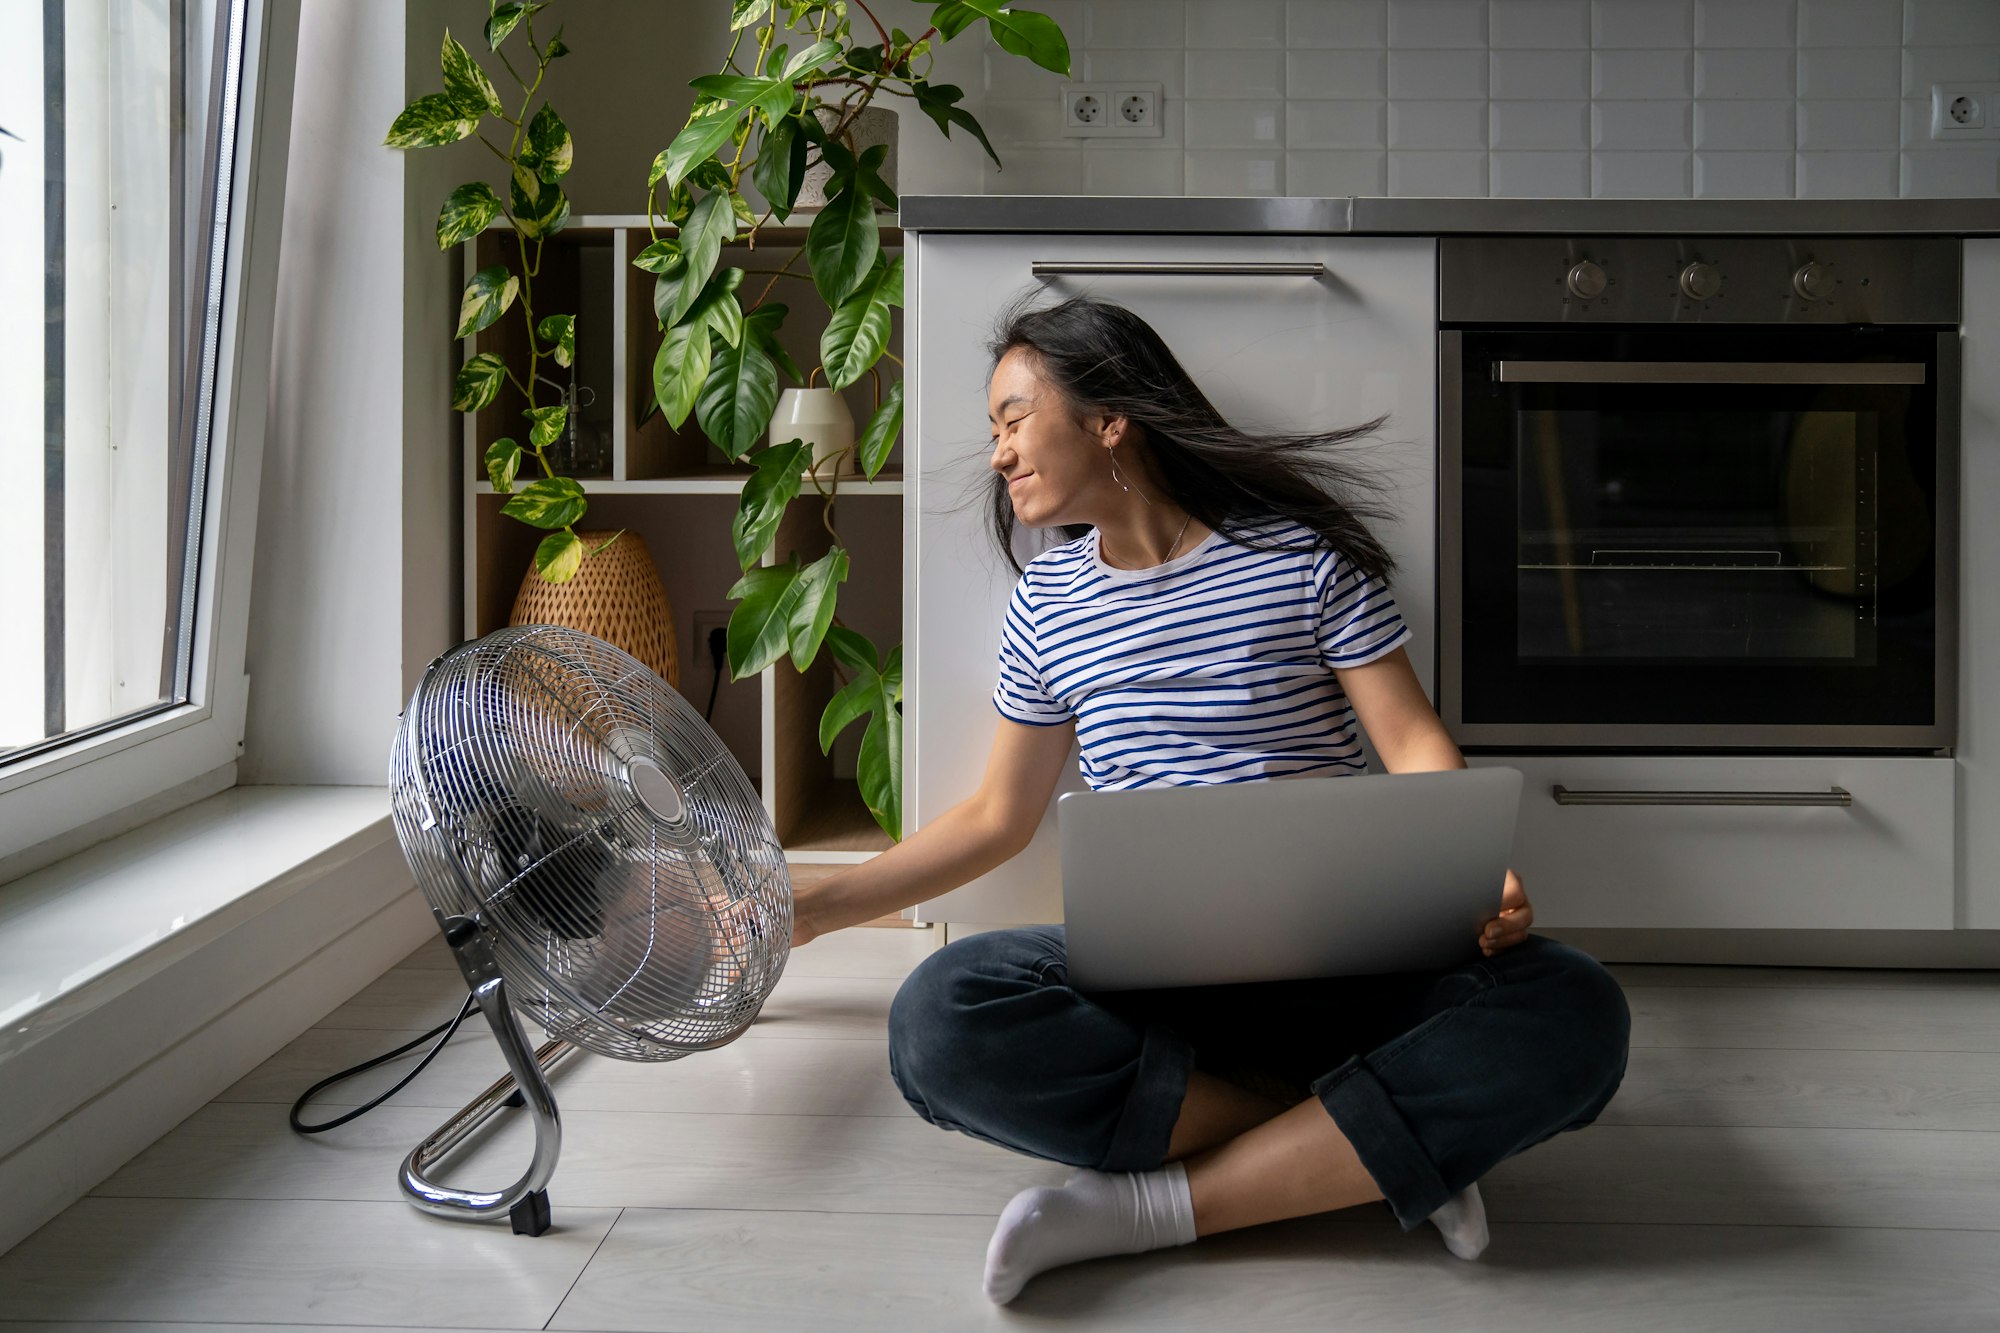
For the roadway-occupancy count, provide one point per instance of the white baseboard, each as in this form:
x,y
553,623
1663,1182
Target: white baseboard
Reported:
x,y
243,996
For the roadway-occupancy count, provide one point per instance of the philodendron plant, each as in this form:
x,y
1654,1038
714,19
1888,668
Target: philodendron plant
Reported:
x,y
537,155
771,114
784,103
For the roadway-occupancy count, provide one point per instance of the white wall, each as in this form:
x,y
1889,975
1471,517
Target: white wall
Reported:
x,y
355,571
1556,98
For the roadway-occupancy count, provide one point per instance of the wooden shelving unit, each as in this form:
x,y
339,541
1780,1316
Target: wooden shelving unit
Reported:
x,y
680,493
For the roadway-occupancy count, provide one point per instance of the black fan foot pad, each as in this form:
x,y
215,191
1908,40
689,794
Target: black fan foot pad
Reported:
x,y
531,1215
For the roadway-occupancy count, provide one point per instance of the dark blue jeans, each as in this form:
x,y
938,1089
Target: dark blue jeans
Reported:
x,y
1433,1077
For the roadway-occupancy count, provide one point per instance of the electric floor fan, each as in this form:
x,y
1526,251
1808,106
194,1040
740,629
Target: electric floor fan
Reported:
x,y
596,859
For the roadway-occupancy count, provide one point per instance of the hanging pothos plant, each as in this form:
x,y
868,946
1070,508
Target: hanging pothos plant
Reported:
x,y
537,154
785,102
770,115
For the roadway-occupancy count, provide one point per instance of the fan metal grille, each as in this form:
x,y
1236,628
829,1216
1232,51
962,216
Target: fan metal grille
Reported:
x,y
626,926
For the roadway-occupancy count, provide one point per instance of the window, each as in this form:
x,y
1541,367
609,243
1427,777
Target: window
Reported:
x,y
134,177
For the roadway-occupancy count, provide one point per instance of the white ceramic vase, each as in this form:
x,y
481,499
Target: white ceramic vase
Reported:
x,y
820,418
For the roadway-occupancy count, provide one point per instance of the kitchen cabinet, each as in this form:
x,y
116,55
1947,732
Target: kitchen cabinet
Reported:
x,y
1273,351
1978,752
1884,861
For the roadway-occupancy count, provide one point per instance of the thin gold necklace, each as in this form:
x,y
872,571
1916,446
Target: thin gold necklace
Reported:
x,y
1177,537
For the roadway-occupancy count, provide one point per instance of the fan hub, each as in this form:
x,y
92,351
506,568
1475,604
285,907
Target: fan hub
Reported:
x,y
655,790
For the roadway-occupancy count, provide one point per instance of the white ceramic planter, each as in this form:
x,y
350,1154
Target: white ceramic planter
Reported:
x,y
820,418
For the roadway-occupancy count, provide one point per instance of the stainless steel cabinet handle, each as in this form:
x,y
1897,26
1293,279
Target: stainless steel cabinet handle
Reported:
x,y
1831,796
1709,372
1043,268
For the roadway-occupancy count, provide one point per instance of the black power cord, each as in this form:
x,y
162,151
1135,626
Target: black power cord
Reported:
x,y
718,650
471,1005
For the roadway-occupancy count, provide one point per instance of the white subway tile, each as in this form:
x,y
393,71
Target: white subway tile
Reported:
x,y
1013,76
1316,175
1433,23
1752,72
1337,23
1008,120
1230,23
1235,173
1851,23
1136,23
1632,23
1641,175
1336,125
1641,74
1950,22
1236,74
1916,128
1126,170
1642,126
1848,175
1541,175
1437,125
1540,24
1533,75
1035,171
1926,65
1236,124
1851,72
1962,173
1339,74
1540,125
1448,175
1745,23
1439,74
1166,68
1848,126
1736,126
1743,175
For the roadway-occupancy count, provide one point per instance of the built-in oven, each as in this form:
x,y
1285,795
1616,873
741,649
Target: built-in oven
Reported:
x,y
1698,493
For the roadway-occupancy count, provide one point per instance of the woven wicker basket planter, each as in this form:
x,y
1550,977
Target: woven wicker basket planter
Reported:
x,y
617,596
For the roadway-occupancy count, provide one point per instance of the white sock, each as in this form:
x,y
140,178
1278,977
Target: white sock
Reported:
x,y
1462,1219
1091,1215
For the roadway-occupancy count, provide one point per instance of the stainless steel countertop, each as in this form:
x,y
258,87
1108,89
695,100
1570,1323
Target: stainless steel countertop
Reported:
x,y
1445,217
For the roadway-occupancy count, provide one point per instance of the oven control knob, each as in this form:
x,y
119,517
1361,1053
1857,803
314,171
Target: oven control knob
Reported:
x,y
1586,280
1814,281
1700,281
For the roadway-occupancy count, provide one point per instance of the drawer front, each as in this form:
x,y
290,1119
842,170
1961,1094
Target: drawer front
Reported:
x,y
1885,861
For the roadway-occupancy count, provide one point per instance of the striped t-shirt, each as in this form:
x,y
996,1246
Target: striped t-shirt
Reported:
x,y
1213,667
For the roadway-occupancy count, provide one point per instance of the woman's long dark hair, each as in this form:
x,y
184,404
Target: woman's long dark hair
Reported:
x,y
1103,358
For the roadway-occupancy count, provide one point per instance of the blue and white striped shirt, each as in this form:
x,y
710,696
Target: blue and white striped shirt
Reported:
x,y
1213,667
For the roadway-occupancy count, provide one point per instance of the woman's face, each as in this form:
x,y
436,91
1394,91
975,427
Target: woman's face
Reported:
x,y
1057,469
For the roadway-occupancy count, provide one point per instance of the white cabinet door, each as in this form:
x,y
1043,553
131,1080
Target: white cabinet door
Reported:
x,y
1882,863
1272,352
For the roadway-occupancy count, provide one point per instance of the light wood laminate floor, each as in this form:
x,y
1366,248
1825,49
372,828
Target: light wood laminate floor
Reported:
x,y
1790,1150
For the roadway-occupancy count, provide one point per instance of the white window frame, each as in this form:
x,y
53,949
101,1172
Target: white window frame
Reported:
x,y
72,794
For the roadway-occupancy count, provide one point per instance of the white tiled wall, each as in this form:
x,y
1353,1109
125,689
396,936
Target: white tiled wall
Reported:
x,y
1611,98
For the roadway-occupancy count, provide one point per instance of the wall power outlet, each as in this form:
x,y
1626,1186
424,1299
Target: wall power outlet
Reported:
x,y
1965,110
1110,110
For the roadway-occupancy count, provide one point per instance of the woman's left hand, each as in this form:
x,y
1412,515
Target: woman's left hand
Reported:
x,y
1511,926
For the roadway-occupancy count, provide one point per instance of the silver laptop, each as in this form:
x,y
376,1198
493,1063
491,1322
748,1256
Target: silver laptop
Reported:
x,y
1285,879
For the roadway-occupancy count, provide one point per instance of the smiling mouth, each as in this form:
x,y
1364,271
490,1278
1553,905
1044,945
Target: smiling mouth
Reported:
x,y
1018,480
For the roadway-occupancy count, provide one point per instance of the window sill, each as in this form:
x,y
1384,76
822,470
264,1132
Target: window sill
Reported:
x,y
85,930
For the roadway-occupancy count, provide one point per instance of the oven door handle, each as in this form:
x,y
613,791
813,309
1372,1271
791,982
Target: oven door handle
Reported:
x,y
1839,796
1044,268
1709,372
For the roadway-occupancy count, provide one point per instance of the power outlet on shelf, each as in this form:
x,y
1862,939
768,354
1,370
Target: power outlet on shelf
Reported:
x,y
704,623
1112,111
1965,110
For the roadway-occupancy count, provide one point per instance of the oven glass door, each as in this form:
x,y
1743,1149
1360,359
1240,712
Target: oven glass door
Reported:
x,y
1699,528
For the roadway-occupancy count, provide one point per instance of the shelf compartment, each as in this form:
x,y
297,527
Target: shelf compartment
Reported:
x,y
655,450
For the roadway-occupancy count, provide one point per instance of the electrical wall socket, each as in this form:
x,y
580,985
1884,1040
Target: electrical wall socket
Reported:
x,y
704,621
1965,110
1111,110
